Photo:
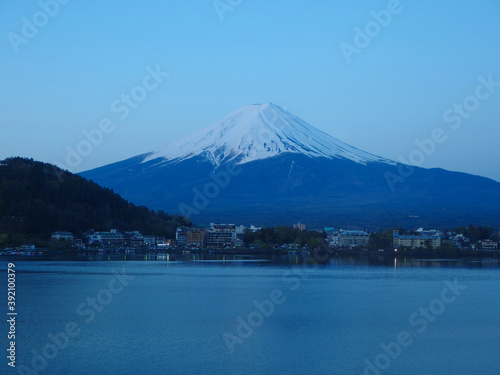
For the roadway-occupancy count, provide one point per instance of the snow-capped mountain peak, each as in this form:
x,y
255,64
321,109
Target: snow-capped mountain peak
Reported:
x,y
259,131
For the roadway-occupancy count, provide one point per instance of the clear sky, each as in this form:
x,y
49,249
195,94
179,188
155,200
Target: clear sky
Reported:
x,y
64,67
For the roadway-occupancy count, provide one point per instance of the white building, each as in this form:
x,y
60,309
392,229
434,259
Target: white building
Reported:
x,y
353,238
430,238
489,245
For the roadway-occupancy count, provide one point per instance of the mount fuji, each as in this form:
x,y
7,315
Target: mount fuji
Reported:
x,y
256,132
261,164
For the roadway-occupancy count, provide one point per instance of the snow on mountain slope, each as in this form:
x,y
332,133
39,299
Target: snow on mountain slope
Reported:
x,y
260,131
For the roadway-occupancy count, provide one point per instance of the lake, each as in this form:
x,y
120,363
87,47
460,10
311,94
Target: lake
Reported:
x,y
276,316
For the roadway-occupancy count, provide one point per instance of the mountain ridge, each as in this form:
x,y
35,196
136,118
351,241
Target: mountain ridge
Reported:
x,y
259,131
340,185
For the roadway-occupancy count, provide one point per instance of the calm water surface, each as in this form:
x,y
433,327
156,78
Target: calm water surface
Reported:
x,y
244,317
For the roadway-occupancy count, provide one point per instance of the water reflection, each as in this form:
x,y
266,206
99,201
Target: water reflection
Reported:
x,y
297,259
292,258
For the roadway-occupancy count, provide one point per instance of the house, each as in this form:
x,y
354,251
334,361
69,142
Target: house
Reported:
x,y
334,240
332,236
459,240
254,229
489,245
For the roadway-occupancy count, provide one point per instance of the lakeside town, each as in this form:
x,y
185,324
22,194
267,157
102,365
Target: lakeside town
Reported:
x,y
233,237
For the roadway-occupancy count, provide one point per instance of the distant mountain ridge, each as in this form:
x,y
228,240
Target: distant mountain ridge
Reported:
x,y
262,165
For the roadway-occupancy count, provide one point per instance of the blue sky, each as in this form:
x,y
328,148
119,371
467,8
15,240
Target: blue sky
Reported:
x,y
428,57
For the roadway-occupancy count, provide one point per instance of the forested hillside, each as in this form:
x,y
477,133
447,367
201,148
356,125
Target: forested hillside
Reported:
x,y
39,198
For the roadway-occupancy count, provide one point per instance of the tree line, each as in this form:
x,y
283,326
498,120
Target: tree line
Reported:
x,y
37,199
